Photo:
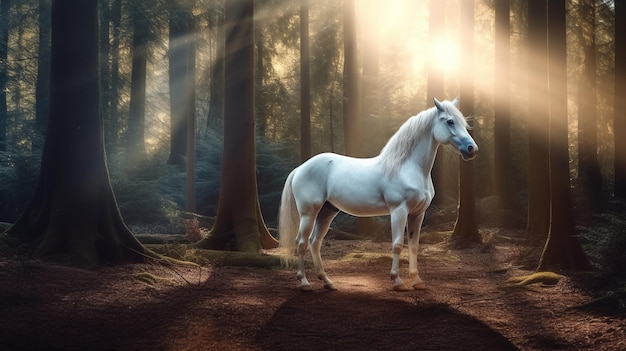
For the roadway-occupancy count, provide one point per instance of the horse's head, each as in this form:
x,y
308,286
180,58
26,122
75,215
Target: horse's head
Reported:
x,y
450,127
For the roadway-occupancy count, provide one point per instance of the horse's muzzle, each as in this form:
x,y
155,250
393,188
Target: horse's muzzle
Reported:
x,y
469,152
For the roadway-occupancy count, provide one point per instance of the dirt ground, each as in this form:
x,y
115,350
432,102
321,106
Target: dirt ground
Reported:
x,y
467,306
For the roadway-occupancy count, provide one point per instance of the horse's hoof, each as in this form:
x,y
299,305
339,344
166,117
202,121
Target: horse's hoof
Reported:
x,y
306,288
419,286
400,287
330,287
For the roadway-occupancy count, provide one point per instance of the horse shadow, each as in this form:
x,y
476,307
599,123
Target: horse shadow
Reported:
x,y
360,321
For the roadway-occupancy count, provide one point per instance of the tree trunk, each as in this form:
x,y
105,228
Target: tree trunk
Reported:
x,y
73,210
215,118
351,103
190,87
42,86
435,89
505,188
104,12
135,134
239,224
538,153
178,76
4,74
305,84
562,249
370,92
466,226
373,124
619,117
113,127
589,168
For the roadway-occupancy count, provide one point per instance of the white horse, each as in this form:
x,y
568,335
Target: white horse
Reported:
x,y
397,182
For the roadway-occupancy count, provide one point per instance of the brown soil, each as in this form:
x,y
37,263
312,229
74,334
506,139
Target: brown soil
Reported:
x,y
467,306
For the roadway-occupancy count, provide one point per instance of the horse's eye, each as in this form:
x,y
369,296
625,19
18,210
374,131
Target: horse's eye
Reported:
x,y
450,122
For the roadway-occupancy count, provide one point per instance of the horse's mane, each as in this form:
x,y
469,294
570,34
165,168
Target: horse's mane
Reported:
x,y
402,143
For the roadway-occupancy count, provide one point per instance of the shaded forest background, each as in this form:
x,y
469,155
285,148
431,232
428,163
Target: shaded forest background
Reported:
x,y
401,46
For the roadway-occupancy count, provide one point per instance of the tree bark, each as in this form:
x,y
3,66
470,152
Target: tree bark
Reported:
x,y
190,87
113,127
135,134
215,118
4,74
589,168
435,89
373,124
562,249
239,224
538,159
73,210
178,76
351,96
466,226
42,86
305,84
505,188
619,117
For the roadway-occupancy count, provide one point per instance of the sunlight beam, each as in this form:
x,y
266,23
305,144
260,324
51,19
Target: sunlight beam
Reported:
x,y
444,54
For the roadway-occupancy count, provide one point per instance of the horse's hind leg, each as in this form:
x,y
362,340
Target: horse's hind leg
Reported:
x,y
398,223
322,223
302,240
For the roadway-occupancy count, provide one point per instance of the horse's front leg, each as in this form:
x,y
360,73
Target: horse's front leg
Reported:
x,y
398,223
414,227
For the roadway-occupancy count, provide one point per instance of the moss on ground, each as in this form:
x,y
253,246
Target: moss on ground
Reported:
x,y
190,253
543,278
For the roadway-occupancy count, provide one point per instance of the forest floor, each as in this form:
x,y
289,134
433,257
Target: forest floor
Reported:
x,y
468,305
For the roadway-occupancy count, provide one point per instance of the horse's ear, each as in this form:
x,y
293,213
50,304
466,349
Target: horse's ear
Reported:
x,y
455,102
438,104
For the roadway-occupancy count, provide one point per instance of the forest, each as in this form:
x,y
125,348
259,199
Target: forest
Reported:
x,y
144,146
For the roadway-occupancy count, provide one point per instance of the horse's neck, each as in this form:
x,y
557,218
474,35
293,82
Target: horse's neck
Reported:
x,y
423,156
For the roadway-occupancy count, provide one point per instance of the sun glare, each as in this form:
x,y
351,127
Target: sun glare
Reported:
x,y
444,54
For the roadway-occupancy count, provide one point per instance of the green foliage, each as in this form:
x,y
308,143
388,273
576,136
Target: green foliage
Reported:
x,y
19,173
614,257
151,197
148,196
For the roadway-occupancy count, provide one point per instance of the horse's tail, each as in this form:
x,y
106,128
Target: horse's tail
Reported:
x,y
288,223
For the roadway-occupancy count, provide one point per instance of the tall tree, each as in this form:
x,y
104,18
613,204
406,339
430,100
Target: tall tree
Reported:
x,y
435,89
179,75
239,224
5,5
351,95
135,133
373,125
562,249
589,168
305,83
190,88
182,72
114,90
538,115
619,117
73,210
505,188
215,116
42,86
466,226
104,12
